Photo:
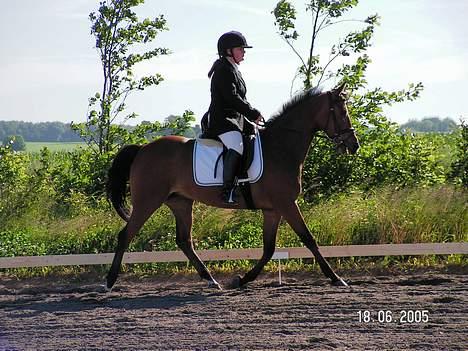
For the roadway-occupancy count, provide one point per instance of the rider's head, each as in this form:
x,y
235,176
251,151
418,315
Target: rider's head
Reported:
x,y
232,44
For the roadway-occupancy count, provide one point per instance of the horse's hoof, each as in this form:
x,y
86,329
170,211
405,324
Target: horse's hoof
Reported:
x,y
110,281
214,284
340,282
104,289
236,282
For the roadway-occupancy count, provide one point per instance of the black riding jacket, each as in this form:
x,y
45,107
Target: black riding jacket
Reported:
x,y
228,102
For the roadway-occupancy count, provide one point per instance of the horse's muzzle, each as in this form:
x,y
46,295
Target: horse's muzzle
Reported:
x,y
347,143
352,147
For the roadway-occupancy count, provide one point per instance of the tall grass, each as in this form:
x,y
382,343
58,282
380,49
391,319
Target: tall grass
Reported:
x,y
434,214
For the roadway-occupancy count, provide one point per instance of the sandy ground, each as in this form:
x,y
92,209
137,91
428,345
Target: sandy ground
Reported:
x,y
181,313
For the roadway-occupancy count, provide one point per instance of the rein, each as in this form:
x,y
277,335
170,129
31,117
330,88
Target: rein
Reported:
x,y
257,126
338,138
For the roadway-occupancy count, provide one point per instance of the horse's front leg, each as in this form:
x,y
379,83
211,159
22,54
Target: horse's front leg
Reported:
x,y
182,209
271,221
294,217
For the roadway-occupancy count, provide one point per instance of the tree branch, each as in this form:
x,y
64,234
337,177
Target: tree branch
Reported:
x,y
349,20
295,51
328,64
311,51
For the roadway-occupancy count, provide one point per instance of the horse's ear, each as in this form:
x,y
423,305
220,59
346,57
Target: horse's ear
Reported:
x,y
340,89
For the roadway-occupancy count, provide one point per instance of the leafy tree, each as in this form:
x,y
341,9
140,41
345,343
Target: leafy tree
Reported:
x,y
119,33
42,131
117,30
323,13
430,124
16,142
386,154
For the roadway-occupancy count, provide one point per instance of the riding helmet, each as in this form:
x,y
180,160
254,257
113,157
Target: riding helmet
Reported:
x,y
229,40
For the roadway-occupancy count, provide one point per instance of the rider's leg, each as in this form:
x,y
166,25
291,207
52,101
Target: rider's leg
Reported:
x,y
233,142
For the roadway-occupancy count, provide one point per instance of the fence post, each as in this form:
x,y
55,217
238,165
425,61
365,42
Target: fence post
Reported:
x,y
280,255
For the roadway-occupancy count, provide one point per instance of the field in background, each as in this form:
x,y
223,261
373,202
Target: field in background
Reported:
x,y
52,146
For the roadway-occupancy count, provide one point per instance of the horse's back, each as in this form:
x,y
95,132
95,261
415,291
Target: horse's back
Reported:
x,y
166,150
164,159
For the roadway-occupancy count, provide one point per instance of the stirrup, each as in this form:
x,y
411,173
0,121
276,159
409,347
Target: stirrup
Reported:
x,y
228,196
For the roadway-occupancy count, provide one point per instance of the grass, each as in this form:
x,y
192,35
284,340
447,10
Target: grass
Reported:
x,y
32,146
434,214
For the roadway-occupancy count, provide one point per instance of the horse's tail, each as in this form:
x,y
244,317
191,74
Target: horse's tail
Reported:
x,y
117,179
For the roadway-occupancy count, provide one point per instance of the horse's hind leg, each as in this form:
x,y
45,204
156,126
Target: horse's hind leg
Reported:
x,y
182,209
296,221
271,221
136,221
122,245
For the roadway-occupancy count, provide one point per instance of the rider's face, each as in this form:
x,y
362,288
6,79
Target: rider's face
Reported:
x,y
238,54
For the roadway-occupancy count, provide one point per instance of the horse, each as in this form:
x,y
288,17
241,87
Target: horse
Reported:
x,y
160,172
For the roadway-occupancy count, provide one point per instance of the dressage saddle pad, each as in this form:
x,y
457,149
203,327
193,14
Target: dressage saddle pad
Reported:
x,y
205,154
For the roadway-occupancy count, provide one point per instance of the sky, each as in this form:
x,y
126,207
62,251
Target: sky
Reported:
x,y
49,66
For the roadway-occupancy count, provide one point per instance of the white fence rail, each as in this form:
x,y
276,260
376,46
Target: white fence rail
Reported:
x,y
237,254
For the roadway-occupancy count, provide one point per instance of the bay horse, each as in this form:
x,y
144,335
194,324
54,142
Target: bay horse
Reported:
x,y
161,173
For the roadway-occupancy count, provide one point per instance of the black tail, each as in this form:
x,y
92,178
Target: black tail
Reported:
x,y
117,179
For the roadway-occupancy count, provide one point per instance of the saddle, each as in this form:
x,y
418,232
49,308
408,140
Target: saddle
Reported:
x,y
208,163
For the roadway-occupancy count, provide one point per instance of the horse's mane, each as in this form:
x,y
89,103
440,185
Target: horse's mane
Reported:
x,y
291,104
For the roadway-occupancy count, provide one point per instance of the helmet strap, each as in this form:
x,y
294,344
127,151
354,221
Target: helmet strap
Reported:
x,y
232,56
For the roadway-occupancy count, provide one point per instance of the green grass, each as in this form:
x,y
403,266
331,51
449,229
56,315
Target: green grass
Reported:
x,y
412,215
32,146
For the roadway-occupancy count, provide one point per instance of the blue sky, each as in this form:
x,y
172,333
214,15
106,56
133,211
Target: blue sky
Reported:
x,y
49,67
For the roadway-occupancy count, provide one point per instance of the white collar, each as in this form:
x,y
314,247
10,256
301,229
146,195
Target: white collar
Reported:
x,y
232,63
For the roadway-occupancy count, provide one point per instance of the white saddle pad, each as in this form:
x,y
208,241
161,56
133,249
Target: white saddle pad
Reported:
x,y
205,154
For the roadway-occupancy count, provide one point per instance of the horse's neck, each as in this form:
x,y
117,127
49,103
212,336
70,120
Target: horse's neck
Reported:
x,y
294,135
293,144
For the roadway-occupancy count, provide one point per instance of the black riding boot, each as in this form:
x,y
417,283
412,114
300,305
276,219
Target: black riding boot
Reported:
x,y
231,164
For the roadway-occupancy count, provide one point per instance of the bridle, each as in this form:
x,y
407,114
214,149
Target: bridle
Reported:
x,y
340,136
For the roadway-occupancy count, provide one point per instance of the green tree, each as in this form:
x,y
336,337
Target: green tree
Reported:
x,y
117,30
323,14
385,151
120,39
16,142
430,124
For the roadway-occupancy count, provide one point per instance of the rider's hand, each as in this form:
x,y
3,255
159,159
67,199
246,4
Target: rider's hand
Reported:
x,y
259,119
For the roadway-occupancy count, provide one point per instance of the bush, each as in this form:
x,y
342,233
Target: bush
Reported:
x,y
20,243
16,142
459,167
387,157
14,183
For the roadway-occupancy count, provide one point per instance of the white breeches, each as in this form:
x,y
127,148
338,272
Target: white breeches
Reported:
x,y
232,140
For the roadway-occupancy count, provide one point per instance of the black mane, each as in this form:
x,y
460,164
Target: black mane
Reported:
x,y
291,104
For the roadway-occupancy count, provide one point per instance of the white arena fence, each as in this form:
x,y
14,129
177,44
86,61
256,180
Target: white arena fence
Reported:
x,y
238,254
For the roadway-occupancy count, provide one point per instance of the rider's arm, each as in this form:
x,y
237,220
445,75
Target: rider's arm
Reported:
x,y
226,83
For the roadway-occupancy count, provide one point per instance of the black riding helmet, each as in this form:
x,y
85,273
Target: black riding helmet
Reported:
x,y
229,40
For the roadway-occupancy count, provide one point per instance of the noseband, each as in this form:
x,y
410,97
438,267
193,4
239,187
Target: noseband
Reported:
x,y
339,136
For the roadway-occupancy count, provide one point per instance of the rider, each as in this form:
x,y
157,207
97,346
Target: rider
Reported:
x,y
228,107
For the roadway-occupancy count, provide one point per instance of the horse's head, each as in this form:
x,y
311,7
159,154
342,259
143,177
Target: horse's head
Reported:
x,y
338,126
